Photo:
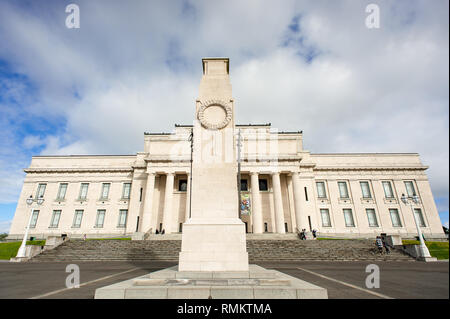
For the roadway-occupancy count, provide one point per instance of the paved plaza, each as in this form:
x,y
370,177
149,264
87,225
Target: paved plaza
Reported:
x,y
343,280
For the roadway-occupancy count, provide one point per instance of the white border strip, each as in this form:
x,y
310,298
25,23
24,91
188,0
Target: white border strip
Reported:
x,y
347,284
83,284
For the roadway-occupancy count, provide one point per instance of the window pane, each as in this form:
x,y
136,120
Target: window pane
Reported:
x,y
122,218
326,222
321,193
263,185
410,189
55,218
244,185
343,189
41,190
182,185
34,219
100,218
365,190
62,191
77,218
348,218
419,217
372,217
105,190
84,190
126,190
388,189
395,217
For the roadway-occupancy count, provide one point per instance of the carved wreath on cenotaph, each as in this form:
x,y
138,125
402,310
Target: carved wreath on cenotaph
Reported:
x,y
214,126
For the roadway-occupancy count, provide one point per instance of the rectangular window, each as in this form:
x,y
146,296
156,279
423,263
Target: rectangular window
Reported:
x,y
325,214
122,218
182,185
77,218
263,185
306,194
55,219
388,189
83,191
244,185
343,191
395,217
41,190
100,218
348,216
372,217
410,188
365,188
62,191
321,192
140,194
34,219
105,190
419,217
126,190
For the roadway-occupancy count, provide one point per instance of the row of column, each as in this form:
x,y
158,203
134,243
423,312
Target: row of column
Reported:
x,y
149,220
258,225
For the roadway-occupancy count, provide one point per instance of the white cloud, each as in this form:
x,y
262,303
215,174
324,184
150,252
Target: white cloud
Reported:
x,y
136,68
5,226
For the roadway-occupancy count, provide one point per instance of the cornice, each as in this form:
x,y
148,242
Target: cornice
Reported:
x,y
366,168
78,170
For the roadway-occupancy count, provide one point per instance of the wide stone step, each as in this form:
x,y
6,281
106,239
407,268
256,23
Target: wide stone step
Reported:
x,y
259,250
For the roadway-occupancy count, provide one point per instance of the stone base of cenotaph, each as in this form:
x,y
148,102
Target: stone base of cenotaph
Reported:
x,y
170,283
217,244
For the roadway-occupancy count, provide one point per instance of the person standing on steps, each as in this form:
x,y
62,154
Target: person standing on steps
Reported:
x,y
379,244
386,246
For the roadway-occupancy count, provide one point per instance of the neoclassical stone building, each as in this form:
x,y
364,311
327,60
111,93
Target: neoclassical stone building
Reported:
x,y
283,187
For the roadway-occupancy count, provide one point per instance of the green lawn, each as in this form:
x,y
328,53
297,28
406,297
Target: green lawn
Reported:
x,y
8,250
438,249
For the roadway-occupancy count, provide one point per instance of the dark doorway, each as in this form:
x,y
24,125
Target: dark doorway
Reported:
x,y
246,227
309,220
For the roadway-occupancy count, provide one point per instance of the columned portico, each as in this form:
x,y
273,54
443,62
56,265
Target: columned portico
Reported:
x,y
168,198
301,223
148,203
278,203
188,197
256,203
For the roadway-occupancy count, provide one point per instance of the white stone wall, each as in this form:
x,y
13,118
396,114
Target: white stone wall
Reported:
x,y
293,163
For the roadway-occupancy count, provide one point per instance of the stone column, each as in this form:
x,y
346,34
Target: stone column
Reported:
x,y
188,197
279,214
148,204
297,202
256,204
168,199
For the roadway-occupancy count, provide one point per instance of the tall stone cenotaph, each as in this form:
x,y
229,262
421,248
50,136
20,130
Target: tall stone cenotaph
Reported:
x,y
213,262
213,238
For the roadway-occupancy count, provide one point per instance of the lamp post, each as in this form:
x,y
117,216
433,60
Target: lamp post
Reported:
x,y
424,252
30,201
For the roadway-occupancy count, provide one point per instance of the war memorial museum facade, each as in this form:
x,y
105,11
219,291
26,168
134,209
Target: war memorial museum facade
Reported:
x,y
284,188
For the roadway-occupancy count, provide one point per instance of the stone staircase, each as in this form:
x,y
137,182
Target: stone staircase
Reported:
x,y
319,250
258,250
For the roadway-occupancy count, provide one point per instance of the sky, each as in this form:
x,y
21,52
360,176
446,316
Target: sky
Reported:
x,y
135,66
